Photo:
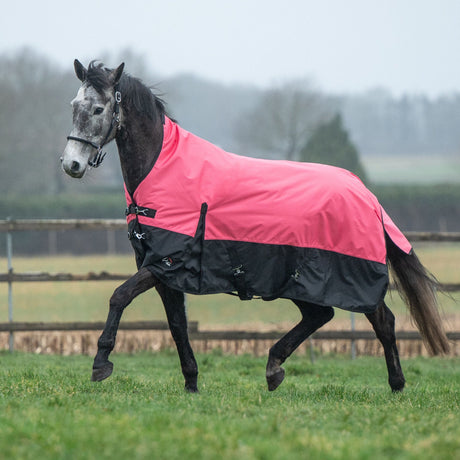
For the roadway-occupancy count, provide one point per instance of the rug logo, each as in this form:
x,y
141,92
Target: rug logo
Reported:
x,y
167,261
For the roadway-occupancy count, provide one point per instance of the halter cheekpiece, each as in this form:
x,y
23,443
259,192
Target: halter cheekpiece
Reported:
x,y
115,123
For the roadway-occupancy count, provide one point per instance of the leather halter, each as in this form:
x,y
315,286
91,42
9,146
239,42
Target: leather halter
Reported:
x,y
115,123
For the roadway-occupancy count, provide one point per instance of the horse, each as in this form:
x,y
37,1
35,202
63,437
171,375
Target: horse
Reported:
x,y
313,234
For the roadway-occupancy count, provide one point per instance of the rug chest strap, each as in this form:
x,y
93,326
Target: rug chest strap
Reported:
x,y
140,211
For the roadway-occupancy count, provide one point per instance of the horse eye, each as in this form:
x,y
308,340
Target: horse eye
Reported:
x,y
98,110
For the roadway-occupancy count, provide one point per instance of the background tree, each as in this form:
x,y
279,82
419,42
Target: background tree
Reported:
x,y
34,95
35,118
330,144
282,121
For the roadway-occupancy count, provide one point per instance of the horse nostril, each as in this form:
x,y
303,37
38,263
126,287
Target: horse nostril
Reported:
x,y
75,167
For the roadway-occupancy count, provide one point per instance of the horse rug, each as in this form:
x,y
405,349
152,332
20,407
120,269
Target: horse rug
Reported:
x,y
207,221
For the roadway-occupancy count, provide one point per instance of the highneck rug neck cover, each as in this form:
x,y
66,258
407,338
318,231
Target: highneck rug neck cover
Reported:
x,y
206,221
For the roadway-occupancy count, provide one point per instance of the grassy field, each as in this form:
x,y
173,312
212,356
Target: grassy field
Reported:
x,y
400,169
334,409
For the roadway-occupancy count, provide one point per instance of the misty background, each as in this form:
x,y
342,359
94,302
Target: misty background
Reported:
x,y
411,132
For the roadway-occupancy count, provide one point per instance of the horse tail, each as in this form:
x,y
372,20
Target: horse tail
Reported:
x,y
418,288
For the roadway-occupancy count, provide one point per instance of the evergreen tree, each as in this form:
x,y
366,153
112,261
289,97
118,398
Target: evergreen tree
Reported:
x,y
331,145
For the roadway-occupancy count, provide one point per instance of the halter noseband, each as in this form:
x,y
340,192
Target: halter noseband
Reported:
x,y
97,160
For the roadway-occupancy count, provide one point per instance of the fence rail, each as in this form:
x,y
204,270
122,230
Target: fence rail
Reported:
x,y
17,326
43,276
10,226
34,277
21,225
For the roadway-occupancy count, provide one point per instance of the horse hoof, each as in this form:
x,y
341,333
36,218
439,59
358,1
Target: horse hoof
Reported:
x,y
191,389
101,373
274,380
398,389
397,386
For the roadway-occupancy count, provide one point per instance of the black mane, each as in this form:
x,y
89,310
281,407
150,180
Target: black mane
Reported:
x,y
133,92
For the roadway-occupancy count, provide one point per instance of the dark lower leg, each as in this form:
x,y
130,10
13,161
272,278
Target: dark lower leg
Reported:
x,y
313,317
121,298
173,302
383,322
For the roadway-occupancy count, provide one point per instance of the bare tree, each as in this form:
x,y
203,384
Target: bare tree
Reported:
x,y
282,120
34,99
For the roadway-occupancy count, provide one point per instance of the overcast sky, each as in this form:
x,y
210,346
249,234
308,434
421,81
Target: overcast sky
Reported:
x,y
343,45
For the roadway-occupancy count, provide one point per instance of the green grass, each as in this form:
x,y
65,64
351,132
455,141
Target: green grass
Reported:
x,y
412,169
334,409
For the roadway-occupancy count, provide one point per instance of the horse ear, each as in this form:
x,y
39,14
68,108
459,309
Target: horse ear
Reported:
x,y
117,73
80,70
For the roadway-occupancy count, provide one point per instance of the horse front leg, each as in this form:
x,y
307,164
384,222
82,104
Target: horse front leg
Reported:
x,y
121,298
174,305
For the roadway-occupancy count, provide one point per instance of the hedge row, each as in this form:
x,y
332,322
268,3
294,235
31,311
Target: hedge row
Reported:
x,y
422,207
106,205
414,207
420,200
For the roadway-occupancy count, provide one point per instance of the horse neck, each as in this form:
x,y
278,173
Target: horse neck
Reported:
x,y
139,143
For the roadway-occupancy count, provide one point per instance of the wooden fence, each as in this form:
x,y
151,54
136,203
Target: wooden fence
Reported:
x,y
10,226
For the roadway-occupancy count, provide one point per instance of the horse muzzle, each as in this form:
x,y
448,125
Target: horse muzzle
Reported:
x,y
73,168
74,160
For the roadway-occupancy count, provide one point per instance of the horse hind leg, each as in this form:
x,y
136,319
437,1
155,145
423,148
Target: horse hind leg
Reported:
x,y
313,317
383,322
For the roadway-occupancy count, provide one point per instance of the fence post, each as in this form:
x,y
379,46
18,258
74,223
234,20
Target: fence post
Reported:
x,y
9,255
111,241
353,343
312,350
52,242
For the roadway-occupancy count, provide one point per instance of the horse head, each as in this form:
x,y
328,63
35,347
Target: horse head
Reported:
x,y
96,117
